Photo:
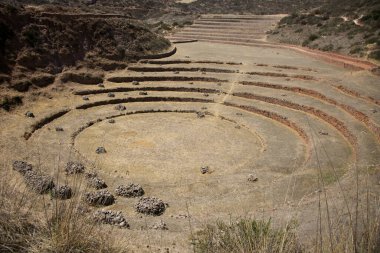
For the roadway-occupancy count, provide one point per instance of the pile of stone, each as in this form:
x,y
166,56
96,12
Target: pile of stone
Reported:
x,y
74,168
159,226
38,182
111,218
62,192
150,206
99,198
94,181
22,167
130,190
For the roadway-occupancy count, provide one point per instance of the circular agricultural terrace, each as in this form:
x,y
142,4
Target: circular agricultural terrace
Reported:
x,y
227,101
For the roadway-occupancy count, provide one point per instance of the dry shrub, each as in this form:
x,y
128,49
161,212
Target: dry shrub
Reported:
x,y
37,223
247,235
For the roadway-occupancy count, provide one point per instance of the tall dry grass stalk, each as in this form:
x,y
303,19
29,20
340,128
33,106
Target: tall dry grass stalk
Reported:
x,y
37,223
247,235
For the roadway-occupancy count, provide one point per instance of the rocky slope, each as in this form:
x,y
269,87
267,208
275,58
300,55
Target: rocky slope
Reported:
x,y
252,6
35,47
351,27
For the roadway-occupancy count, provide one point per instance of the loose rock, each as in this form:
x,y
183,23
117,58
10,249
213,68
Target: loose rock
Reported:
x,y
130,190
101,150
22,167
120,108
62,192
252,178
159,226
111,95
29,114
99,198
59,129
100,85
143,93
38,182
111,121
150,206
201,114
74,168
135,83
205,170
85,98
111,218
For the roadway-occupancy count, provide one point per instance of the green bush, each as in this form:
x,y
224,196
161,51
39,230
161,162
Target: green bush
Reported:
x,y
375,55
31,35
329,47
313,37
356,50
5,34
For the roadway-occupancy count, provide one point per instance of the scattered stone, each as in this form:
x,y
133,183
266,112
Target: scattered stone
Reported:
x,y
143,93
203,73
100,85
85,98
111,121
130,190
74,168
239,114
191,83
187,56
323,133
205,170
159,226
111,218
111,95
150,206
373,110
201,114
283,95
29,114
219,84
206,95
62,192
252,178
204,108
101,150
59,129
38,182
135,83
120,108
22,167
176,72
99,198
238,127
